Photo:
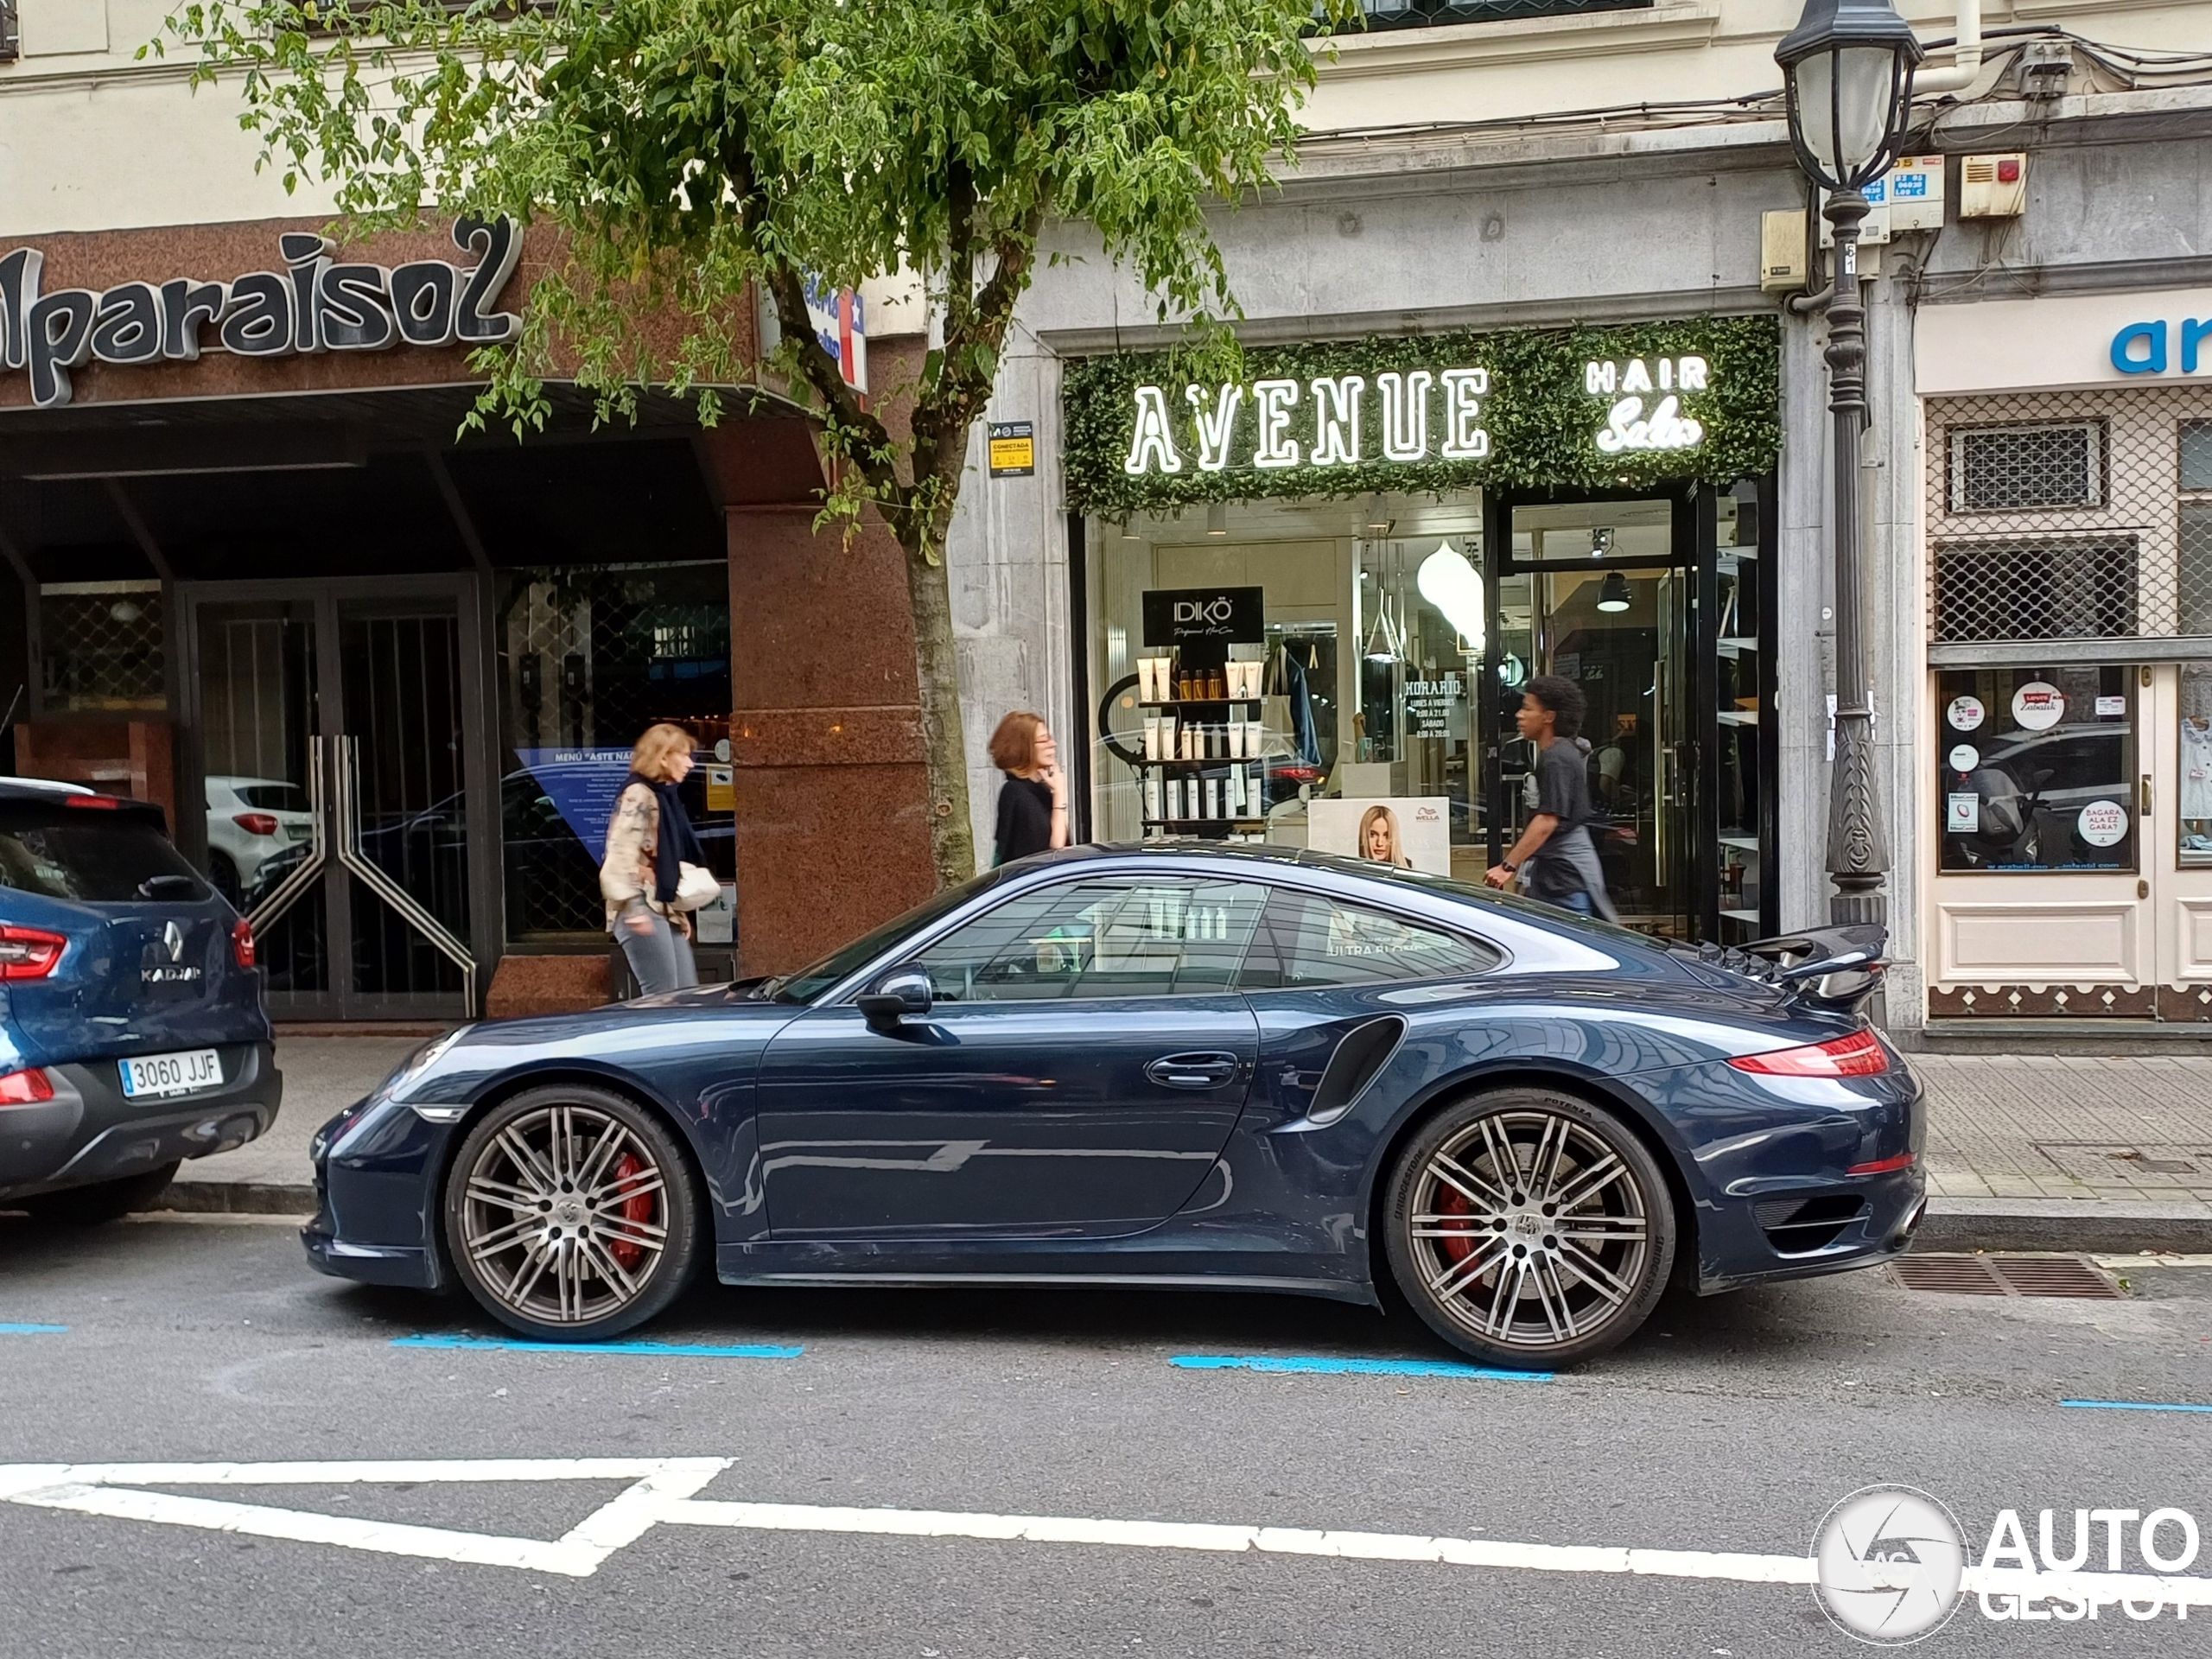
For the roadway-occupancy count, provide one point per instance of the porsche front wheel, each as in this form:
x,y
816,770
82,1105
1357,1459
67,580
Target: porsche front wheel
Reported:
x,y
570,1215
1528,1228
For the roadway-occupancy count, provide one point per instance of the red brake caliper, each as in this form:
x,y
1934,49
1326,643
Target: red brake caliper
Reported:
x,y
638,1207
1450,1201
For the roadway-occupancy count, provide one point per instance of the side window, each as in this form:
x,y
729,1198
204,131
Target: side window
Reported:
x,y
1140,938
1309,941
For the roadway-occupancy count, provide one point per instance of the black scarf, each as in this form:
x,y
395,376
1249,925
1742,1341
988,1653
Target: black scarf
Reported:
x,y
679,843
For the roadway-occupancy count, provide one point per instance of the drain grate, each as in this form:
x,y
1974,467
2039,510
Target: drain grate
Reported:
x,y
2005,1275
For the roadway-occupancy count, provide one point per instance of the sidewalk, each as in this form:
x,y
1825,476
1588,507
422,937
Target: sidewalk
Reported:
x,y
2024,1152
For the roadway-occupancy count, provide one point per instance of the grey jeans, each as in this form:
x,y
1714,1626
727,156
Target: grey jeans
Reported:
x,y
660,957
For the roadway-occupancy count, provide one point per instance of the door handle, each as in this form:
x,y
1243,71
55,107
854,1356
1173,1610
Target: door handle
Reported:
x,y
1193,1070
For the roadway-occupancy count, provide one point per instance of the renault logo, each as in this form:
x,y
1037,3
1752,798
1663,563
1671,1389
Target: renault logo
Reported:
x,y
173,937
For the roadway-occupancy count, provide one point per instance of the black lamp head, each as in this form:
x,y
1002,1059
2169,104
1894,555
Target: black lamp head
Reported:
x,y
1848,68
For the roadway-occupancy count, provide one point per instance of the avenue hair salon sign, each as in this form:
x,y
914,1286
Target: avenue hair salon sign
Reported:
x,y
1638,405
316,304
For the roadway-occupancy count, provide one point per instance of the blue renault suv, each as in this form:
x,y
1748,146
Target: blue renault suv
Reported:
x,y
132,1035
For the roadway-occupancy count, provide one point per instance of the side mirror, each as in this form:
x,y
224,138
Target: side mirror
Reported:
x,y
900,994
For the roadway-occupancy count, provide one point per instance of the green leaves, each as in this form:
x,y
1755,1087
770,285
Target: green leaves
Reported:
x,y
1540,416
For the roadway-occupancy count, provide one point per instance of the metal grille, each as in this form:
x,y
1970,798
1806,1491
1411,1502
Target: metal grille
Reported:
x,y
2005,1275
2003,469
1418,13
2070,515
2035,590
2194,527
101,645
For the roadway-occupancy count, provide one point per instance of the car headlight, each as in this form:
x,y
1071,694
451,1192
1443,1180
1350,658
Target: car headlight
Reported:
x,y
419,1062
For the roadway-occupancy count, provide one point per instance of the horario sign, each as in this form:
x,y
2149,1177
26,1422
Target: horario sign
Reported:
x,y
316,304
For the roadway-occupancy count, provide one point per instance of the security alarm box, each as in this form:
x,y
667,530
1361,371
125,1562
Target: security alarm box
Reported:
x,y
1915,193
1782,252
1993,186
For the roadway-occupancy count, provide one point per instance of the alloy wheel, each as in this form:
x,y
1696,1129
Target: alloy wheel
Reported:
x,y
1533,1229
564,1215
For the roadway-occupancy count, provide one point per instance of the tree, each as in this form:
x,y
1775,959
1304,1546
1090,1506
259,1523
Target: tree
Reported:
x,y
687,150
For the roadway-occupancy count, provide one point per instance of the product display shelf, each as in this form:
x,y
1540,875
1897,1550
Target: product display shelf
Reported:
x,y
1240,822
1203,703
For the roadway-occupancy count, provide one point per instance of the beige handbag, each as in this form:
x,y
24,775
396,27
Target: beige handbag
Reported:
x,y
696,888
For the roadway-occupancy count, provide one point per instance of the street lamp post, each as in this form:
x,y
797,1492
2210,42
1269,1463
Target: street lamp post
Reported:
x,y
1848,69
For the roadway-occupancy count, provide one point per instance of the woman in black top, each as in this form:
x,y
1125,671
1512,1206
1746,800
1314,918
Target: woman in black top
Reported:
x,y
1034,804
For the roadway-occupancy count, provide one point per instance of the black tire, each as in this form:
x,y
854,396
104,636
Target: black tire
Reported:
x,y
225,875
102,1201
1481,1255
585,1184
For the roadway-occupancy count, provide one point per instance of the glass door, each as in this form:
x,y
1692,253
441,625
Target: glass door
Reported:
x,y
333,753
1597,593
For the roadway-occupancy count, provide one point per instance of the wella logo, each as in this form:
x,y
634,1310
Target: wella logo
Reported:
x,y
2140,348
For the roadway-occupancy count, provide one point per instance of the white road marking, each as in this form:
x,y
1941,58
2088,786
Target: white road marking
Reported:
x,y
661,1493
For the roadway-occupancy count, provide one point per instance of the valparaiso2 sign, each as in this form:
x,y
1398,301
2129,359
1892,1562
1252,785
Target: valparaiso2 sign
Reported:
x,y
1601,407
315,304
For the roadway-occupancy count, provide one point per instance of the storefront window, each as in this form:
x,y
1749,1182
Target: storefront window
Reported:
x,y
1271,670
590,656
2196,765
2037,768
100,643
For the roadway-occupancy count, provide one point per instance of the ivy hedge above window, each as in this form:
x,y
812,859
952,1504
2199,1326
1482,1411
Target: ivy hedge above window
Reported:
x,y
1629,405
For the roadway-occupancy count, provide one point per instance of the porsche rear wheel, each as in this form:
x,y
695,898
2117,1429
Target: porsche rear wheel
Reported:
x,y
570,1214
1528,1228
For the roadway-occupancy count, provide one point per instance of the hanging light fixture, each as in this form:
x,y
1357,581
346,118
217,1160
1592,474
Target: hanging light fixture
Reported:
x,y
1217,519
1448,580
1613,595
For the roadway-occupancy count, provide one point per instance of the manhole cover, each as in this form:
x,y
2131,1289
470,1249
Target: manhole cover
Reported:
x,y
2004,1276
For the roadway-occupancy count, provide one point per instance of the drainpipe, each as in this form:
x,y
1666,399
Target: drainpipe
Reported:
x,y
1966,57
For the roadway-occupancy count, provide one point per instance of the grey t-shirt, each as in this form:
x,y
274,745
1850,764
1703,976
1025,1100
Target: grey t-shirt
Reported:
x,y
1563,791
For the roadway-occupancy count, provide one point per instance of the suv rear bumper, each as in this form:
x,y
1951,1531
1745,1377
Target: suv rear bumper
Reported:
x,y
91,1131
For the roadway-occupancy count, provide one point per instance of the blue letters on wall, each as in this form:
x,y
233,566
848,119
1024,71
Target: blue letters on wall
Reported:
x,y
2140,348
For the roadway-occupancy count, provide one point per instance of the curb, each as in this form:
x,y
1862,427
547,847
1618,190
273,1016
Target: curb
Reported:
x,y
2092,1226
237,1199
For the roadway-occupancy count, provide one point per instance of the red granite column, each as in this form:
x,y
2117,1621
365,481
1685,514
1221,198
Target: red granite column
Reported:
x,y
826,733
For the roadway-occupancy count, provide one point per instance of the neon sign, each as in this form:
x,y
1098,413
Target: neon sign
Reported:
x,y
1627,427
1316,423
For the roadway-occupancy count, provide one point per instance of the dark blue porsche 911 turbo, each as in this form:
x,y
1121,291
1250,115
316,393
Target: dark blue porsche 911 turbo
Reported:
x,y
1180,1065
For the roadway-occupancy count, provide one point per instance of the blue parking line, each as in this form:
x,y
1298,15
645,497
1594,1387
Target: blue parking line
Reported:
x,y
1316,1365
645,1349
2130,1405
8,1330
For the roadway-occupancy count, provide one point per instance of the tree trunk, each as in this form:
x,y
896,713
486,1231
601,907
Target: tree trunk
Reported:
x,y
936,665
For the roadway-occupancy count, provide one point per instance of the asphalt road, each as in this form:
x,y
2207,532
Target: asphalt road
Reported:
x,y
1732,1426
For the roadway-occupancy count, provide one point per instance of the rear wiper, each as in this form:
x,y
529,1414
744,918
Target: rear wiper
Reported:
x,y
169,887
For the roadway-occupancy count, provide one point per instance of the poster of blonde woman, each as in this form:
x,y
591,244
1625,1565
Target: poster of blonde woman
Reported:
x,y
1412,833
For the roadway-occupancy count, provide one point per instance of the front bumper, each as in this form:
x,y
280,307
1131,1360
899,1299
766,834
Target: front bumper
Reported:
x,y
374,1220
91,1131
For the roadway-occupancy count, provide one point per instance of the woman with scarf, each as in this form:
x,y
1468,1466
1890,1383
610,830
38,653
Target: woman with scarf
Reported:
x,y
648,843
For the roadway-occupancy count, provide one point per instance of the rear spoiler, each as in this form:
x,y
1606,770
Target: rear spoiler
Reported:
x,y
1836,967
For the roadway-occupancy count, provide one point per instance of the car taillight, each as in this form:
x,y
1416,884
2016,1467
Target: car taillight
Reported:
x,y
111,802
28,952
1859,1055
25,1088
241,942
255,823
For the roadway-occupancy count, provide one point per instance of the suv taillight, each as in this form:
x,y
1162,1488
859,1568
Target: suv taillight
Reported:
x,y
1859,1055
25,1088
255,823
28,953
241,942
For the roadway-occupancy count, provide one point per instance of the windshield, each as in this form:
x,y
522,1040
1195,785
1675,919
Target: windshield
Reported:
x,y
810,982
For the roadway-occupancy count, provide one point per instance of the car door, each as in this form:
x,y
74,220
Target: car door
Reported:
x,y
1081,1065
1318,978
